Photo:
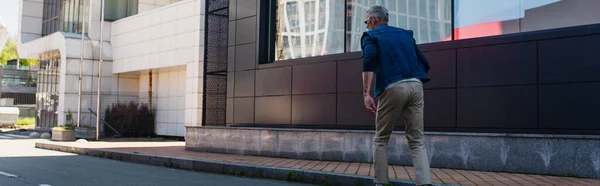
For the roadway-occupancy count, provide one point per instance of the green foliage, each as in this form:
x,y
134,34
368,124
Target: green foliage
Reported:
x,y
570,174
26,121
28,62
292,176
9,52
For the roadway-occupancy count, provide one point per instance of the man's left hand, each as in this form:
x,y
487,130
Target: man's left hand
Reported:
x,y
370,103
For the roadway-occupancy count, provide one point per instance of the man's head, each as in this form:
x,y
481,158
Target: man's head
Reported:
x,y
376,16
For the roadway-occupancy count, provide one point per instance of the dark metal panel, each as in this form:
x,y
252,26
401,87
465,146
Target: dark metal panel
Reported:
x,y
233,9
246,8
230,84
497,107
510,64
570,106
245,30
274,81
349,79
314,78
232,32
351,110
244,84
245,57
243,109
231,59
318,109
229,112
572,59
443,69
273,110
440,108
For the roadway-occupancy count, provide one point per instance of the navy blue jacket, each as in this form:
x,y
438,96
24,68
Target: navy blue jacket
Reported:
x,y
392,55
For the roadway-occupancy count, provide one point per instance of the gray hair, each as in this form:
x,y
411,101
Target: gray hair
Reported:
x,y
378,12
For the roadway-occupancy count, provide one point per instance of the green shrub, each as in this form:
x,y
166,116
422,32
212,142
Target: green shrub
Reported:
x,y
26,121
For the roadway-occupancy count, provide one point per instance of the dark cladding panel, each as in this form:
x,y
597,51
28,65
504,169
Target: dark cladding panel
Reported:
x,y
351,110
319,109
443,69
246,8
314,78
244,84
245,30
573,59
274,81
245,57
497,107
570,106
273,110
509,64
243,109
350,76
440,108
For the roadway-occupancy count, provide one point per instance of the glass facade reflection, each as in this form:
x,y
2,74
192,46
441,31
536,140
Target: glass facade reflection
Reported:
x,y
430,20
119,9
307,28
476,18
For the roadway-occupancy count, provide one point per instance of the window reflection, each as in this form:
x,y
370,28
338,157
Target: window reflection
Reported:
x,y
415,15
308,28
475,18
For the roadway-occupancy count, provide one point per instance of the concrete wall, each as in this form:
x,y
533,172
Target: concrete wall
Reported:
x,y
516,153
30,20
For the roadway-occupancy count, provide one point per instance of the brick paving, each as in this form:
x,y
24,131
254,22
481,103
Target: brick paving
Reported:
x,y
447,176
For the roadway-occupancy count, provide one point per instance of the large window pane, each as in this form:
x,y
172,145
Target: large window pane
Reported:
x,y
476,18
415,15
314,28
119,9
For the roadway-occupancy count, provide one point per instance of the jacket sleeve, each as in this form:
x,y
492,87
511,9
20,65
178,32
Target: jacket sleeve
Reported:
x,y
369,52
421,57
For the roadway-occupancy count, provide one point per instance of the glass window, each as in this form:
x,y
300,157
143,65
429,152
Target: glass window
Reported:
x,y
119,9
418,19
314,27
475,18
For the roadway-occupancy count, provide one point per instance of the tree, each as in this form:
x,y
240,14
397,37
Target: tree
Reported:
x,y
10,52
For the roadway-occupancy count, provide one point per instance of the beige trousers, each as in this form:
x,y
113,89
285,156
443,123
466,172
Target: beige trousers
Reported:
x,y
404,98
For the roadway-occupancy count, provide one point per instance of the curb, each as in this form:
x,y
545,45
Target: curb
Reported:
x,y
237,169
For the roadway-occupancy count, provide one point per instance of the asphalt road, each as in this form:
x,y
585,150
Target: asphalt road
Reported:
x,y
23,165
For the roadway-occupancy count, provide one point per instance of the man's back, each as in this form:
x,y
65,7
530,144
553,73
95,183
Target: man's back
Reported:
x,y
392,55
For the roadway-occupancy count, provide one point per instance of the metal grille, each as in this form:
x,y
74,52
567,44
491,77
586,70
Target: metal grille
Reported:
x,y
215,62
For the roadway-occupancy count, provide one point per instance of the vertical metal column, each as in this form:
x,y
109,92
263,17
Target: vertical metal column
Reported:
x,y
215,63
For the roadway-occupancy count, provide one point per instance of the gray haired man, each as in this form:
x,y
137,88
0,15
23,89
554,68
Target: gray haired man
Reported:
x,y
400,70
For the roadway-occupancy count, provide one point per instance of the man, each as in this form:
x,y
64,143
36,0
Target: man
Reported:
x,y
400,69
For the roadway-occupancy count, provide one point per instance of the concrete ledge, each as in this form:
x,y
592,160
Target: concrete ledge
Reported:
x,y
515,153
245,170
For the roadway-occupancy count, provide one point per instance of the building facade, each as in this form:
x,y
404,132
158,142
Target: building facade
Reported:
x,y
298,70
151,53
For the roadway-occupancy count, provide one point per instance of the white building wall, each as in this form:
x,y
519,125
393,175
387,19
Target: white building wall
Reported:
x,y
30,20
149,5
168,87
167,40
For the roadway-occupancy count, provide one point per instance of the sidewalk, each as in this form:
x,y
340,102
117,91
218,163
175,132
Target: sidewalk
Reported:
x,y
357,170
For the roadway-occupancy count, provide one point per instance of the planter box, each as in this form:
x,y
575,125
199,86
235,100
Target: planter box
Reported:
x,y
85,133
63,135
